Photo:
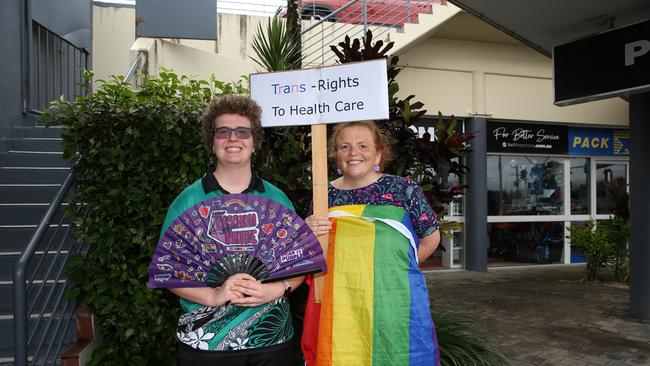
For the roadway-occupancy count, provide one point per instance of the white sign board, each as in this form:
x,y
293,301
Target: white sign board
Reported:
x,y
351,92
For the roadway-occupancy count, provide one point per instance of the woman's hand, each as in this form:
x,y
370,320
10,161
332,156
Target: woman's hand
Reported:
x,y
208,296
228,292
320,225
256,293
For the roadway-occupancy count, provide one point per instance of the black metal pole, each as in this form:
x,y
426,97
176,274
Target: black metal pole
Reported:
x,y
639,206
476,198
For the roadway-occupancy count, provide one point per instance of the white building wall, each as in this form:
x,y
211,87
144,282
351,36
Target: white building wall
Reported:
x,y
464,67
113,35
497,77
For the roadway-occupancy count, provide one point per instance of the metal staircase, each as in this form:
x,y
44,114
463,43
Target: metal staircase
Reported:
x,y
32,170
36,321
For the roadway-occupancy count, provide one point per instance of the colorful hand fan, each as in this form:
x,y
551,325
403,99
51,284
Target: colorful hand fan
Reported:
x,y
230,234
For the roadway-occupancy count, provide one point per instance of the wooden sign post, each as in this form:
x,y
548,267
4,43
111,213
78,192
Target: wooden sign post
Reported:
x,y
351,92
319,188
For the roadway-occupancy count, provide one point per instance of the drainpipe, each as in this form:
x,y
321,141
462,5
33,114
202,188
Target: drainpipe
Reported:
x,y
25,51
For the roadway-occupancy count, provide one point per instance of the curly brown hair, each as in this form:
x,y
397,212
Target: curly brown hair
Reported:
x,y
379,137
232,104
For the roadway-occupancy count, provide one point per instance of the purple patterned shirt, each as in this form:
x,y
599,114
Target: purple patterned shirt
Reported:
x,y
395,191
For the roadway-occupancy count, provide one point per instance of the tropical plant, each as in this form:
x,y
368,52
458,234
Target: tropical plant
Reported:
x,y
135,150
606,243
462,343
595,246
274,47
617,230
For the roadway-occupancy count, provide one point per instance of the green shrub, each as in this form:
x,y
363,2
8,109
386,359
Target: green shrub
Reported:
x,y
595,246
605,244
617,231
462,343
136,151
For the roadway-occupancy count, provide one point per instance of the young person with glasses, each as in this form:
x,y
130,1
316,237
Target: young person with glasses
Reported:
x,y
243,322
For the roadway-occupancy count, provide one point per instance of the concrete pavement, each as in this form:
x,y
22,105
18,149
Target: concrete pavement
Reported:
x,y
544,315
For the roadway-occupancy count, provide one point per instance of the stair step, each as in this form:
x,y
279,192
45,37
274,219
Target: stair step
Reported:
x,y
33,159
28,194
26,176
40,263
33,144
37,131
7,293
21,215
7,333
14,239
7,356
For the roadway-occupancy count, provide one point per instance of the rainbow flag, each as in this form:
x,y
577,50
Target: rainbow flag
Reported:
x,y
375,306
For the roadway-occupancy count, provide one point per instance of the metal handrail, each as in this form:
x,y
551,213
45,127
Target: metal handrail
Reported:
x,y
19,277
70,59
314,50
133,68
330,16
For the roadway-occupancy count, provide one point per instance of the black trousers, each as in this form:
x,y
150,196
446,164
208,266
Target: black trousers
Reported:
x,y
279,355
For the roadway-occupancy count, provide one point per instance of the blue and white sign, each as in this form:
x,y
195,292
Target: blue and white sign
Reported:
x,y
599,142
350,92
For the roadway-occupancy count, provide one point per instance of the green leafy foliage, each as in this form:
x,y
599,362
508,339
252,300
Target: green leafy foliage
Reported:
x,y
274,49
604,245
607,243
593,244
617,230
135,151
462,343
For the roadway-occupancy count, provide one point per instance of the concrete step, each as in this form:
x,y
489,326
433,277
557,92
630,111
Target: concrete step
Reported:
x,y
33,159
28,194
37,131
27,176
51,144
7,293
7,356
40,264
7,333
14,239
27,214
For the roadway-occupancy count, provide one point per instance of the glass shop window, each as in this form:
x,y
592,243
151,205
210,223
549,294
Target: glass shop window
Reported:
x,y
525,242
525,185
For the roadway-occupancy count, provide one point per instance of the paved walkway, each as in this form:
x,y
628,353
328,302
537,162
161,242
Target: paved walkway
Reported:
x,y
544,316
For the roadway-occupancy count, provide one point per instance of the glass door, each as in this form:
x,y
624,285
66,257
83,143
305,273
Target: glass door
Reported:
x,y
611,184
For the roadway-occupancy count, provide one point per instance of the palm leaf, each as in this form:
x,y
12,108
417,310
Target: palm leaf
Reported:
x,y
462,343
274,49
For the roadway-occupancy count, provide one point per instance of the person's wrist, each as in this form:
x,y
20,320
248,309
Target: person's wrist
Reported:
x,y
286,288
217,298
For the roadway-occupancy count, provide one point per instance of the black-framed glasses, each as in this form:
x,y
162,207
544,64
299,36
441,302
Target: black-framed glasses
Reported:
x,y
243,133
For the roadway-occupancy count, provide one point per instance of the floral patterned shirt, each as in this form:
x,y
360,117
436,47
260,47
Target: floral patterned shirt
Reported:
x,y
395,191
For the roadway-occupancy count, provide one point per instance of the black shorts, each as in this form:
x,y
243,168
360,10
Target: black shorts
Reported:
x,y
279,355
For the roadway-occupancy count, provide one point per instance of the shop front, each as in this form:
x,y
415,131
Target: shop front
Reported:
x,y
544,179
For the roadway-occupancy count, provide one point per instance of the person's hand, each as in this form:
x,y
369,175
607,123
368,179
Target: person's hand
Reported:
x,y
256,293
228,291
320,225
